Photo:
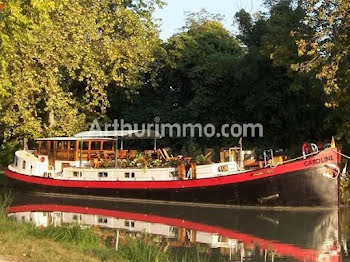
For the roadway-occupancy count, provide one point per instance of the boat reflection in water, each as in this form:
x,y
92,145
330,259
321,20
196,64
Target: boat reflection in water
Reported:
x,y
225,234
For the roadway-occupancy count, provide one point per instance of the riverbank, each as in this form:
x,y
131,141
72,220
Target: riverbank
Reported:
x,y
15,247
27,242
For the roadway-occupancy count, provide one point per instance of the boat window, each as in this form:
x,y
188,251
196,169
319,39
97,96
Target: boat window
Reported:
x,y
59,145
127,175
102,174
223,168
133,175
86,145
77,174
65,145
24,164
95,145
43,145
102,220
42,148
108,145
16,161
77,217
62,145
72,145
128,223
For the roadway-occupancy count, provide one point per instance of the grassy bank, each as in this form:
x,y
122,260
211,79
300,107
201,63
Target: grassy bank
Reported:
x,y
27,242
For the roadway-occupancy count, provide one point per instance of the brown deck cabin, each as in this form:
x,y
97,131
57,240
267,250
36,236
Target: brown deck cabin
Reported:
x,y
91,146
68,149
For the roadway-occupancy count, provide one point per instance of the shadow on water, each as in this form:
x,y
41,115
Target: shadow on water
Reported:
x,y
207,234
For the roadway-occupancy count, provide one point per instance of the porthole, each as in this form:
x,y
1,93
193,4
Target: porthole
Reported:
x,y
129,175
102,174
77,174
128,223
102,220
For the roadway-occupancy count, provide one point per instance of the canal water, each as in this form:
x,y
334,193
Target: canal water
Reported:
x,y
208,234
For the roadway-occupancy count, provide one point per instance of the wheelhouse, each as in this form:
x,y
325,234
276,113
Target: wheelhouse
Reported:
x,y
74,149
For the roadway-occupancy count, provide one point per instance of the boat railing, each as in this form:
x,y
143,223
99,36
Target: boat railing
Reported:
x,y
301,157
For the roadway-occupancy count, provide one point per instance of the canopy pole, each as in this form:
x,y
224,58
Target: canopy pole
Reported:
x,y
155,144
115,152
121,144
81,153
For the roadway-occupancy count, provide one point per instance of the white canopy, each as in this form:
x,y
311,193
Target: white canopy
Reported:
x,y
125,134
68,138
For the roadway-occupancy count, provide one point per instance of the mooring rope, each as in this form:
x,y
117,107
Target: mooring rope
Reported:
x,y
343,155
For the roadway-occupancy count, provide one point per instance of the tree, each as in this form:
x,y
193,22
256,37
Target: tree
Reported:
x,y
289,104
328,47
194,84
326,51
57,59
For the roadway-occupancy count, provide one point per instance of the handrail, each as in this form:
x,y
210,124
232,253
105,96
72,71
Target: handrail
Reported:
x,y
343,155
300,157
292,160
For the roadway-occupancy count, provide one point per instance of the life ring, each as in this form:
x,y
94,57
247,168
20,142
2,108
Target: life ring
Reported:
x,y
309,148
332,171
305,149
314,148
328,145
42,159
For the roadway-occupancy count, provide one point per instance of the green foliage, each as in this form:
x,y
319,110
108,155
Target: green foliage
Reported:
x,y
143,250
196,253
73,234
194,81
201,160
325,49
344,217
7,152
344,187
206,75
57,59
5,201
328,46
193,149
290,105
64,63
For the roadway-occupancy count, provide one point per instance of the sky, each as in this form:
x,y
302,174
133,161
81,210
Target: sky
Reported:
x,y
173,18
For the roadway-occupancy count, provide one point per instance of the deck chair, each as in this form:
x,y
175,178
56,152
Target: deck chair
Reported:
x,y
166,155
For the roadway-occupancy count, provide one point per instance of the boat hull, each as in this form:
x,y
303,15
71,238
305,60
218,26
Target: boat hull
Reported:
x,y
307,187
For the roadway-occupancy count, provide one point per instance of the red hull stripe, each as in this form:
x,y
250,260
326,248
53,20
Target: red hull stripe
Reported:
x,y
324,157
282,249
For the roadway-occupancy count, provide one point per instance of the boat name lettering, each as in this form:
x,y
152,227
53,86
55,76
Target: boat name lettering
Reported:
x,y
269,171
318,161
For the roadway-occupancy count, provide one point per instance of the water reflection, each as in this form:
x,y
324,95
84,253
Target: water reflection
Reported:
x,y
221,234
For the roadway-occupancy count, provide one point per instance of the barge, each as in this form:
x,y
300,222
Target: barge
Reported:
x,y
95,162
